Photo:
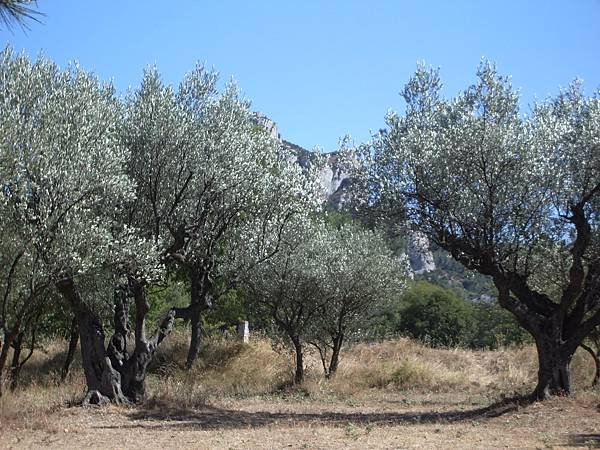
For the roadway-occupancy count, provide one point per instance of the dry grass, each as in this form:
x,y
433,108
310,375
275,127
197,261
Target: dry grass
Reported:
x,y
239,396
226,368
40,393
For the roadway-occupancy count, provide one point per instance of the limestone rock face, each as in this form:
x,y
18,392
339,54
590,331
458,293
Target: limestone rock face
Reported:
x,y
419,253
336,181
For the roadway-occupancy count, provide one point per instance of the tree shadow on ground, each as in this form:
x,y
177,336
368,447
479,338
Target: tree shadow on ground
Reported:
x,y
585,440
213,418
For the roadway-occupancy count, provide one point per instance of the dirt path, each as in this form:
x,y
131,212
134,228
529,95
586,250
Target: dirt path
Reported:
x,y
276,424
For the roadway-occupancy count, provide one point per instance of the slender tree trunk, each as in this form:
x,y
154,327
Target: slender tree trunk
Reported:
x,y
200,300
73,339
15,367
596,357
299,374
335,355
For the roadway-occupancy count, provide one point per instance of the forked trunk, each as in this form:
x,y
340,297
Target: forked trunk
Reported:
x,y
134,369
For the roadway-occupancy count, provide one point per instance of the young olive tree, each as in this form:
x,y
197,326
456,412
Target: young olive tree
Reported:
x,y
284,293
63,182
321,285
512,197
360,276
210,182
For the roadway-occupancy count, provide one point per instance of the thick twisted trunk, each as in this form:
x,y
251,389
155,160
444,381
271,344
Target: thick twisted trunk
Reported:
x,y
112,374
100,375
134,370
554,377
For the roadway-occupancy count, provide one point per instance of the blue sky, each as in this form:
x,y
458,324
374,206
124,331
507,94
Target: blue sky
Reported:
x,y
323,69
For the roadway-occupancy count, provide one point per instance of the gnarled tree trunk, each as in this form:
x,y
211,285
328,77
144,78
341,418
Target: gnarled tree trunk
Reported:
x,y
133,371
554,376
100,375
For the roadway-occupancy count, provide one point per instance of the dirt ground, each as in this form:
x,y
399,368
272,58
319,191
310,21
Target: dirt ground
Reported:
x,y
392,421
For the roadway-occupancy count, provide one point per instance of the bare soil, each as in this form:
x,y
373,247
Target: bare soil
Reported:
x,y
383,420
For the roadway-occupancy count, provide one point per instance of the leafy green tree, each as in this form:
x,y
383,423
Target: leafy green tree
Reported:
x,y
322,285
515,198
436,316
361,276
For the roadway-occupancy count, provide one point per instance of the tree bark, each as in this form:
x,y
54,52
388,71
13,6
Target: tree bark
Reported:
x,y
73,339
9,337
134,370
335,356
200,300
299,374
15,366
99,373
554,376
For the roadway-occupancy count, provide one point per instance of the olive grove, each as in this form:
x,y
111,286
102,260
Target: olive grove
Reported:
x,y
102,197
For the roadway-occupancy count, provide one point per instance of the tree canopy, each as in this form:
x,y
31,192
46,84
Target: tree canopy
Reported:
x,y
512,196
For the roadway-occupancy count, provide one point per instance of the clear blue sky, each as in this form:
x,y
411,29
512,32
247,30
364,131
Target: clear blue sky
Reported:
x,y
323,69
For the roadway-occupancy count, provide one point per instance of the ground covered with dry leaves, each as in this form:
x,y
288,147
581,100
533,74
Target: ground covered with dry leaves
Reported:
x,y
391,395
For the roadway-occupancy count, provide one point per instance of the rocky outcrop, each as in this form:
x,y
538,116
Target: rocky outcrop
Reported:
x,y
336,181
419,253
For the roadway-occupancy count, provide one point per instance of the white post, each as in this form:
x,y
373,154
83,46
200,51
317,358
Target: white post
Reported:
x,y
243,331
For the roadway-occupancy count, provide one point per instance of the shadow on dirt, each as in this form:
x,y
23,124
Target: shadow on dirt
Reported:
x,y
212,418
585,440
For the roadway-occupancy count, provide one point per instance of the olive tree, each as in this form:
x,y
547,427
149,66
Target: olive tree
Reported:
x,y
283,294
513,197
63,184
210,182
360,276
319,288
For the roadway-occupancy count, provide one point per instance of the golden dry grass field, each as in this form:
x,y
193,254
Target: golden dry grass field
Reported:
x,y
396,394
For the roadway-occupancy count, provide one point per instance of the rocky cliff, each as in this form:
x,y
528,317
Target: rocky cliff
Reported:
x,y
335,182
